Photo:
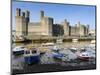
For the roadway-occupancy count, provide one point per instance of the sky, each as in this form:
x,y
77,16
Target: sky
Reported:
x,y
73,13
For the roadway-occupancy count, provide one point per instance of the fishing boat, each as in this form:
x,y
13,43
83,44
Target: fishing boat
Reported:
x,y
56,52
45,47
87,54
19,50
32,56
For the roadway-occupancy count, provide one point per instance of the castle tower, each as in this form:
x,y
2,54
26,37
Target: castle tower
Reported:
x,y
87,29
27,15
21,23
18,12
78,24
46,24
82,30
66,27
79,29
23,14
41,14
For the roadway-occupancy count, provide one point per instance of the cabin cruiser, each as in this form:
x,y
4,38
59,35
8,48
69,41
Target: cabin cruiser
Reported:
x,y
19,50
87,54
32,56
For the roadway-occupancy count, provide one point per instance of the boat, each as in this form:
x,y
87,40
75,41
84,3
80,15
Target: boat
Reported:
x,y
75,40
56,53
43,50
32,56
56,48
45,47
73,49
87,54
59,41
47,44
18,39
19,50
69,54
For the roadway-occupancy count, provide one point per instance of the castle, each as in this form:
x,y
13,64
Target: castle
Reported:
x,y
46,26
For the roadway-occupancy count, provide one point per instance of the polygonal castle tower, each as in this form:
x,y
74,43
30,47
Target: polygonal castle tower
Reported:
x,y
46,24
22,20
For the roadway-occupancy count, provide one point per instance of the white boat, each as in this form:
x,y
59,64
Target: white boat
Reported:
x,y
47,44
87,54
19,50
73,49
59,41
74,40
56,48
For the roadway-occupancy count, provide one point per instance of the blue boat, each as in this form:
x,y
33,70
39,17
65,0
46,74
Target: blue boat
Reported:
x,y
31,56
19,50
56,54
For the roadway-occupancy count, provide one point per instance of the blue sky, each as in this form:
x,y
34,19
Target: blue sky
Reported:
x,y
73,13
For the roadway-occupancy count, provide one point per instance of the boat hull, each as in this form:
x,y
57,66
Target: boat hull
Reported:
x,y
83,58
58,56
32,59
18,52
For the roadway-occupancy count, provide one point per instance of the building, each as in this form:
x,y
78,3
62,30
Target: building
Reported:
x,y
46,26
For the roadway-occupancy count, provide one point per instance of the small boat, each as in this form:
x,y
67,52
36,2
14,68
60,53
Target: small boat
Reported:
x,y
19,50
59,41
75,40
47,44
87,54
32,56
57,55
73,49
56,52
56,48
18,39
45,47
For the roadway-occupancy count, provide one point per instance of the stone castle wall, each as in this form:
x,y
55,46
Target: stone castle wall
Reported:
x,y
46,26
